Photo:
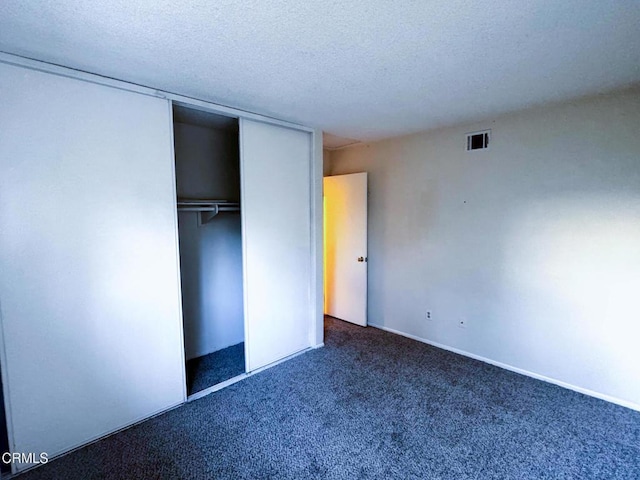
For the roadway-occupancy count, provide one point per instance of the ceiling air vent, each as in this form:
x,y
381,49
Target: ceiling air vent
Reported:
x,y
478,140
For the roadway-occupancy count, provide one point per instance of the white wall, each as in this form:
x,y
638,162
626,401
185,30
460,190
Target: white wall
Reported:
x,y
207,166
535,242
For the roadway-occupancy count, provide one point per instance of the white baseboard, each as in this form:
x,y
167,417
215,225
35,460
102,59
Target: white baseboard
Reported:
x,y
560,383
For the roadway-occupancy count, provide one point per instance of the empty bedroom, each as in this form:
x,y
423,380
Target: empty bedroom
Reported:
x,y
337,240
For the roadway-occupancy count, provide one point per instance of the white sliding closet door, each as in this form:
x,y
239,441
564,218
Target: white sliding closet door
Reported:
x,y
276,218
89,294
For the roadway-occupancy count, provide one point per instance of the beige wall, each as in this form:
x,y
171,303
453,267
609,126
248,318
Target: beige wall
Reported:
x,y
326,162
535,243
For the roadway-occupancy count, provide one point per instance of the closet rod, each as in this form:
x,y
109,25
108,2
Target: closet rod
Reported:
x,y
212,208
206,205
208,209
189,201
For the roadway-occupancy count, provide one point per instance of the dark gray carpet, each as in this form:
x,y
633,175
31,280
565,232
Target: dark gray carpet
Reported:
x,y
373,405
208,370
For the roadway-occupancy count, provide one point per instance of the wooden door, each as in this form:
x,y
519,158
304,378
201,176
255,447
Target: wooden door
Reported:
x,y
345,247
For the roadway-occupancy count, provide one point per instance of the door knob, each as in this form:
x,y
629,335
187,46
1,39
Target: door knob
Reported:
x,y
362,259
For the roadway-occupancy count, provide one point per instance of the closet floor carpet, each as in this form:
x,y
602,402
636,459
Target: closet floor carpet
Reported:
x,y
371,404
209,370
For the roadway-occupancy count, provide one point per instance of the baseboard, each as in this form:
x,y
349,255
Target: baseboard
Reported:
x,y
560,383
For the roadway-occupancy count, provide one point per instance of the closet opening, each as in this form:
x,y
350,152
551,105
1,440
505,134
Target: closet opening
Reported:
x,y
207,160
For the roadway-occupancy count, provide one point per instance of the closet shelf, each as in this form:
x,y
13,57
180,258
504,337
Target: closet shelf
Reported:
x,y
208,209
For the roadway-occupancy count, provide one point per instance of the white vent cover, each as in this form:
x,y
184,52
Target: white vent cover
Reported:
x,y
478,140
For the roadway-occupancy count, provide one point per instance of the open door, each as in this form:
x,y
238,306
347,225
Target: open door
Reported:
x,y
276,229
345,247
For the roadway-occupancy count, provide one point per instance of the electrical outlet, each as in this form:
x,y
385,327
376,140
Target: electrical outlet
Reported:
x,y
428,316
462,322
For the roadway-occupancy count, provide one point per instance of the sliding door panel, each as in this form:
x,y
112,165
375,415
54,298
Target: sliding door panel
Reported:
x,y
276,218
89,294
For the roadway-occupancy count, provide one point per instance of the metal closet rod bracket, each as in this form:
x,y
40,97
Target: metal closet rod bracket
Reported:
x,y
208,215
208,209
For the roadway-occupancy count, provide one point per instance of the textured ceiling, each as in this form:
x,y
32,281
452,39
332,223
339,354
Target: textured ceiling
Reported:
x,y
330,141
357,69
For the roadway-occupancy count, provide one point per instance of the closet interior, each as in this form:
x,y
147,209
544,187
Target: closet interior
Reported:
x,y
210,237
